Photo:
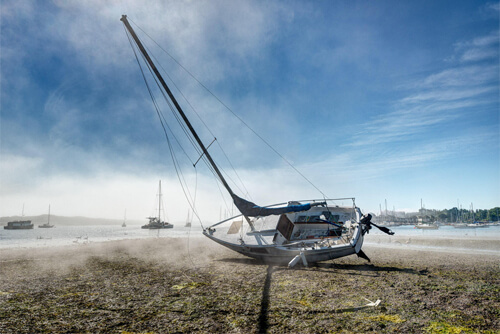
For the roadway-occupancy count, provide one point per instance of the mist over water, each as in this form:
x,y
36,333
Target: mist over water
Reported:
x,y
81,235
446,238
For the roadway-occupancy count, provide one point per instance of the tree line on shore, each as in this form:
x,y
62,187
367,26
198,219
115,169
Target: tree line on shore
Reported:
x,y
455,214
452,215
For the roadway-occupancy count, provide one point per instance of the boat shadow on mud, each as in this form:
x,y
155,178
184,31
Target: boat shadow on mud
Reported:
x,y
367,269
357,269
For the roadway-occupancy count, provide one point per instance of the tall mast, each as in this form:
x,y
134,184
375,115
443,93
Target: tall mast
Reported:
x,y
159,203
174,101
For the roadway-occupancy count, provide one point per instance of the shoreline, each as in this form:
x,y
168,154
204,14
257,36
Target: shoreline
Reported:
x,y
195,285
479,245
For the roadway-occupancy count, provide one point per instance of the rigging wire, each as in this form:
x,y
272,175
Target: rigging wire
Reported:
x,y
189,135
174,159
191,204
206,126
177,117
172,151
183,127
234,114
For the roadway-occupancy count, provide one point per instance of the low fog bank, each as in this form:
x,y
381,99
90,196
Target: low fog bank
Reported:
x,y
174,252
69,221
190,253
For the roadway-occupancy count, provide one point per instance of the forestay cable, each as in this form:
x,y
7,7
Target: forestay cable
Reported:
x,y
164,126
232,112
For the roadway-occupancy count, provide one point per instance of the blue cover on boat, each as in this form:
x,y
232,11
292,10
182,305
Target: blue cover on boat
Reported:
x,y
253,210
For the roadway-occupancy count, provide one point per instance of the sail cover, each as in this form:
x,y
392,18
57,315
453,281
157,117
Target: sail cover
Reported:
x,y
253,210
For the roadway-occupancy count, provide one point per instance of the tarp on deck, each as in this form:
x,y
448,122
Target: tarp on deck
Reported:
x,y
253,210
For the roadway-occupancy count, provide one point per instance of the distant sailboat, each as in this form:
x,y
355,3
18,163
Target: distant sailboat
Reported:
x,y
426,226
124,219
156,223
472,220
422,223
188,221
47,224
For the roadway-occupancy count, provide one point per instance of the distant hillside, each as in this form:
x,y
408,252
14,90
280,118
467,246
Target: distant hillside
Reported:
x,y
69,221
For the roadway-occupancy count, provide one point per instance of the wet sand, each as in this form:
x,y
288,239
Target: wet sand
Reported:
x,y
193,285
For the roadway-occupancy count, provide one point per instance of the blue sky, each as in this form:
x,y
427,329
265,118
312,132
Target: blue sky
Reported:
x,y
378,100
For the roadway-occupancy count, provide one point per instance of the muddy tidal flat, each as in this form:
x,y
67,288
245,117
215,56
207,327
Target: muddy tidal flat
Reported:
x,y
167,285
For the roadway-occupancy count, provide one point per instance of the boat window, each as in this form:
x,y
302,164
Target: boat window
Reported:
x,y
308,219
285,226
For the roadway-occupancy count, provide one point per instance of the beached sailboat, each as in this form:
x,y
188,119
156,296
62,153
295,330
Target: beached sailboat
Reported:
x,y
156,223
47,224
305,231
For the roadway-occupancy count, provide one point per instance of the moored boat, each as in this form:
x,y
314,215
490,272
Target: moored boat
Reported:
x,y
425,226
47,224
19,225
188,221
156,223
477,225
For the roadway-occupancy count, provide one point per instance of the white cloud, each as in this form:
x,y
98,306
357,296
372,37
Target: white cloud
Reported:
x,y
447,94
479,54
15,171
470,76
199,33
480,48
437,99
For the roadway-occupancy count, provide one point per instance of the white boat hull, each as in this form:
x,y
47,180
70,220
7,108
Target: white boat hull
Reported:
x,y
284,254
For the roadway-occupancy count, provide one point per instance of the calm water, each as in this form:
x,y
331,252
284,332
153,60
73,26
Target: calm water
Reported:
x,y
444,232
69,235
484,240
